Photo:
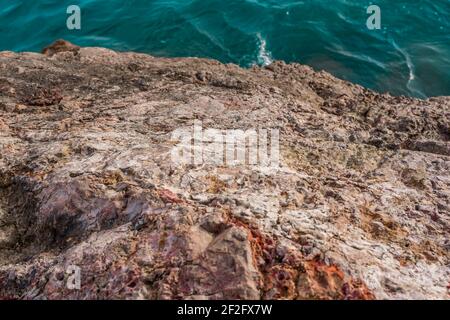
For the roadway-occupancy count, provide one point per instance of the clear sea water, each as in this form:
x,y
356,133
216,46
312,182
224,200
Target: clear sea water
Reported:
x,y
410,55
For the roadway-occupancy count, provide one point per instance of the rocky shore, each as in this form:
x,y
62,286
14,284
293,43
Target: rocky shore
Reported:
x,y
359,207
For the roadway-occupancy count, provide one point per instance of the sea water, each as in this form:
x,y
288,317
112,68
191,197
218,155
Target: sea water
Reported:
x,y
408,55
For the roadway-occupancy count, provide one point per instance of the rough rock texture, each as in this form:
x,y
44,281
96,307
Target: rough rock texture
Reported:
x,y
358,209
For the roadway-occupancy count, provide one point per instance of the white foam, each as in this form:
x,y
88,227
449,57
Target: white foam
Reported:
x,y
264,56
408,61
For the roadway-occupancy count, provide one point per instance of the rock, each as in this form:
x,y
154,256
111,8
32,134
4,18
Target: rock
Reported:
x,y
60,46
214,223
358,207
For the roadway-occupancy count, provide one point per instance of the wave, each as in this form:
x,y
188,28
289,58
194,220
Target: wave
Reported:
x,y
411,70
264,55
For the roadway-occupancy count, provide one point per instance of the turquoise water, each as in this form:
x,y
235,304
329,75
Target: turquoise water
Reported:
x,y
410,55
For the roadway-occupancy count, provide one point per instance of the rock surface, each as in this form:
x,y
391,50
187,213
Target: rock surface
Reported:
x,y
359,207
